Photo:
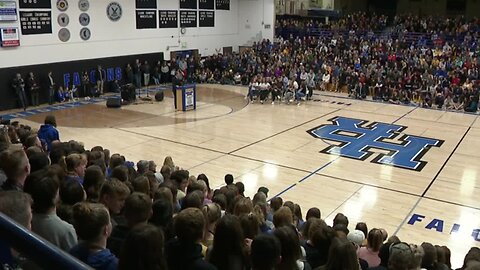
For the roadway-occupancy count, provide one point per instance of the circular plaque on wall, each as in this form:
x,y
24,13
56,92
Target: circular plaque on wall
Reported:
x,y
62,5
64,34
63,19
114,11
85,33
84,19
83,5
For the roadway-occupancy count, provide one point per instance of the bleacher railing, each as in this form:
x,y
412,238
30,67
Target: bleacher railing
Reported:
x,y
36,249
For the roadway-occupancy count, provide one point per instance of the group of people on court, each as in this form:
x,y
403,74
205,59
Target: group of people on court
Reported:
x,y
33,88
280,88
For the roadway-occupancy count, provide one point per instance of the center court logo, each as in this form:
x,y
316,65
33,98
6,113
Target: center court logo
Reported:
x,y
356,138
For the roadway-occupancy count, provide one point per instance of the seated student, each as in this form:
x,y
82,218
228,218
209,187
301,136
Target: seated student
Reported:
x,y
318,244
92,182
371,251
265,252
162,217
180,179
253,90
69,93
185,251
93,226
290,91
264,87
113,195
237,78
15,165
45,221
143,249
276,90
137,210
229,249
17,206
38,161
228,179
301,93
71,192
61,94
76,165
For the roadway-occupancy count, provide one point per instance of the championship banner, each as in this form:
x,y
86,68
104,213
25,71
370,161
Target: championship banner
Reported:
x,y
206,18
9,37
188,4
188,18
36,22
146,19
206,4
222,4
146,4
167,18
8,11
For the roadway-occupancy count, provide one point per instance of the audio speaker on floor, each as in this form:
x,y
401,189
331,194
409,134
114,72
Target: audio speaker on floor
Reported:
x,y
159,96
114,102
128,92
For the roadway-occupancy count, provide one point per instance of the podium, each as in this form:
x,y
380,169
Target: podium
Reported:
x,y
186,97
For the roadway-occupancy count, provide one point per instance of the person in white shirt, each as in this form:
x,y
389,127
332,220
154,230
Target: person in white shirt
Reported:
x,y
264,90
253,89
325,80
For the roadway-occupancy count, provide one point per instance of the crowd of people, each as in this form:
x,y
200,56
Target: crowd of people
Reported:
x,y
111,213
364,55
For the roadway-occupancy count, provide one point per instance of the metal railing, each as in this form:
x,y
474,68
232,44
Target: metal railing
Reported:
x,y
41,252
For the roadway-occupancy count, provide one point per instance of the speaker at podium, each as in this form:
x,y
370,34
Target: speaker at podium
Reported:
x,y
186,97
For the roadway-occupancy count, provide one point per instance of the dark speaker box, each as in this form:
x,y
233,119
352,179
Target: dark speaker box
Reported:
x,y
114,102
128,92
159,96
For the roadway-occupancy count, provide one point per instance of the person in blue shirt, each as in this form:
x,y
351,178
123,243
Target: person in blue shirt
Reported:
x,y
48,132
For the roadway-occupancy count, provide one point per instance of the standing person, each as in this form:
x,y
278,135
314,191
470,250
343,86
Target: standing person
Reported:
x,y
100,78
146,73
51,88
48,132
165,72
156,75
19,85
137,71
176,81
85,87
33,88
129,74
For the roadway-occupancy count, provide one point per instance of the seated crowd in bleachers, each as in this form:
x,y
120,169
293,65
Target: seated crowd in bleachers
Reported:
x,y
435,66
113,214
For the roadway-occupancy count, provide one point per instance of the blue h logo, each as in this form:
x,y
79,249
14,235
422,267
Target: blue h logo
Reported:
x,y
356,139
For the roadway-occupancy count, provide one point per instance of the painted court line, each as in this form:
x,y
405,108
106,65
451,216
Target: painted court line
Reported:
x,y
433,180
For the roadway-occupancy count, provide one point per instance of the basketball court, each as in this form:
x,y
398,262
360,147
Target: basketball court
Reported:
x,y
421,185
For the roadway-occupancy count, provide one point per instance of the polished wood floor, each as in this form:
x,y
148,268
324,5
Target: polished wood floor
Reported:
x,y
268,145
